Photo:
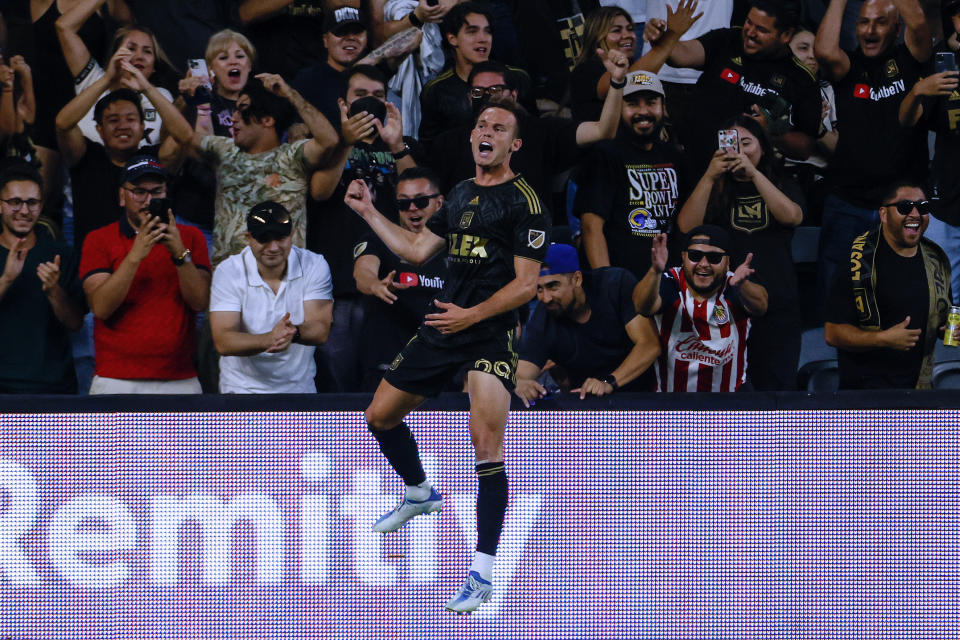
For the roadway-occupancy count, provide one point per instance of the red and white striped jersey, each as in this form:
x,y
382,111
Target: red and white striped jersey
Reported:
x,y
704,344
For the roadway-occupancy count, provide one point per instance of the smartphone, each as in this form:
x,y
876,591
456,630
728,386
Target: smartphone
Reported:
x,y
729,139
159,208
944,61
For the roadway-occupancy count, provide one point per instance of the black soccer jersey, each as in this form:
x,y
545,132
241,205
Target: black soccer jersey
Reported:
x,y
485,228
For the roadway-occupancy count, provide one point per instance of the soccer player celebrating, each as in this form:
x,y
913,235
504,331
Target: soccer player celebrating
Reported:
x,y
496,234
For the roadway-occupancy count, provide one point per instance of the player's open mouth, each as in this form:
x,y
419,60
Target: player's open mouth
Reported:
x,y
485,147
481,50
234,73
415,219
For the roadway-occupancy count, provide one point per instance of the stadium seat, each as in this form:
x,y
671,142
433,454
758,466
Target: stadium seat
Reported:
x,y
946,375
804,244
819,375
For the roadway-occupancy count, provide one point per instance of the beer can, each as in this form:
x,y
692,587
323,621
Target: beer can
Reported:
x,y
953,321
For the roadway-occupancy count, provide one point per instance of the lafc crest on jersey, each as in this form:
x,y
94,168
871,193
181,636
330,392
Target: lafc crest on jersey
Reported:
x,y
536,238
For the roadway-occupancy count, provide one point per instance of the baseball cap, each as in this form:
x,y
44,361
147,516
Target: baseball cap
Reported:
x,y
715,237
638,81
337,20
561,258
142,165
269,220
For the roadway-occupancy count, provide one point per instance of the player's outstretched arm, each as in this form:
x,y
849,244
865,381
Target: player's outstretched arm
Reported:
x,y
415,248
518,291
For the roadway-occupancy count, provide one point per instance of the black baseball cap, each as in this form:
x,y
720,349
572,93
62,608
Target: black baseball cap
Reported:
x,y
140,166
715,237
339,19
269,220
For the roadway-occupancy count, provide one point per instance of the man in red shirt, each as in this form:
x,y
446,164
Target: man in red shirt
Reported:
x,y
145,277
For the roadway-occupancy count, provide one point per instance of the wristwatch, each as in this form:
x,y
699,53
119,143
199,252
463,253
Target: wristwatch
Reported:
x,y
610,380
296,336
403,153
183,259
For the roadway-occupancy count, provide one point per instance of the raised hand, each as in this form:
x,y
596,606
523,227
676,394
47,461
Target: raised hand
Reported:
x,y
938,84
391,131
20,66
49,274
133,78
720,163
659,253
680,21
741,166
115,66
149,234
616,63
743,272
6,77
15,259
900,337
188,85
358,196
385,287
275,83
654,30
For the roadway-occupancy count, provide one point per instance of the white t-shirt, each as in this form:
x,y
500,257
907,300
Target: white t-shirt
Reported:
x,y
151,119
237,286
716,15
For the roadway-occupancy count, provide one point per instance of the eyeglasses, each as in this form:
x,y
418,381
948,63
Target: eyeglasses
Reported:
x,y
140,193
495,90
32,204
420,202
904,207
713,257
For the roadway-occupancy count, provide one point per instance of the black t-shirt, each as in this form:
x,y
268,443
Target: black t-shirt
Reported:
x,y
321,85
636,192
285,43
901,291
36,355
754,229
445,102
485,228
334,229
549,147
390,326
96,181
873,150
732,81
942,114
584,103
592,349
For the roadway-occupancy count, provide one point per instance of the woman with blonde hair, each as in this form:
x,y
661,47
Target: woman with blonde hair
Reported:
x,y
144,54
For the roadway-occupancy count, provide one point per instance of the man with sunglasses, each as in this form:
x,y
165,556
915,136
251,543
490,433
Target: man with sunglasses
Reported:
x,y
702,312
397,292
145,278
887,310
40,297
270,305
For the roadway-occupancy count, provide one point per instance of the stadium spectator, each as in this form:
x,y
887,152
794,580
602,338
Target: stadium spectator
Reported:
x,y
397,293
269,306
143,52
934,103
744,194
550,144
322,84
41,301
374,150
702,312
630,188
886,313
873,150
95,168
585,322
445,101
254,166
750,70
145,277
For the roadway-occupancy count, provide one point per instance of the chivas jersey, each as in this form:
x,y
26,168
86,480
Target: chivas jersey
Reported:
x,y
704,343
485,228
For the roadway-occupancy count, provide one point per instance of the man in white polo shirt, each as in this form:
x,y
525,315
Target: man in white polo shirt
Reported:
x,y
269,306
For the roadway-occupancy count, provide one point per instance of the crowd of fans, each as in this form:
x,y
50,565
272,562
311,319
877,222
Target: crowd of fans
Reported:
x,y
173,178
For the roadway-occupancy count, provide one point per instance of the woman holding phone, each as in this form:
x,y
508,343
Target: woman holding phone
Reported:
x,y
742,191
144,53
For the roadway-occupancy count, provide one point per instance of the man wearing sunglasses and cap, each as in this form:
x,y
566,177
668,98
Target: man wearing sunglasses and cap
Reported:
x,y
270,305
702,312
887,310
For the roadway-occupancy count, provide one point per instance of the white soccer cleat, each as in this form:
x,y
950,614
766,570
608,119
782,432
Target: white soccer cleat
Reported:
x,y
407,510
474,592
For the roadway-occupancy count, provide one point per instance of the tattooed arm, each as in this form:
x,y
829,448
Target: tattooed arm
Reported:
x,y
399,45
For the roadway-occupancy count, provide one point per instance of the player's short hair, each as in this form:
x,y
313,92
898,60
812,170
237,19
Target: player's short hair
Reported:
x,y
264,103
507,104
492,66
420,173
786,13
117,96
905,183
365,70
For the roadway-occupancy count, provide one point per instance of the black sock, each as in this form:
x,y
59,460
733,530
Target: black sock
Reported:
x,y
491,505
400,450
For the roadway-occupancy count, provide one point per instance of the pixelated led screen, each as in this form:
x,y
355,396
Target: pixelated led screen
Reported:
x,y
813,524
